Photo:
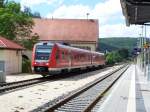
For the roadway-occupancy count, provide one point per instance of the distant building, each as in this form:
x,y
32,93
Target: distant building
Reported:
x,y
10,56
82,33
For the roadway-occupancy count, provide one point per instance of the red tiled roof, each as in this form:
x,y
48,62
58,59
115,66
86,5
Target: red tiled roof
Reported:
x,y
7,44
67,29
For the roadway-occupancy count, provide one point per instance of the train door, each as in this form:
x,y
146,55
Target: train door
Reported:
x,y
57,58
70,59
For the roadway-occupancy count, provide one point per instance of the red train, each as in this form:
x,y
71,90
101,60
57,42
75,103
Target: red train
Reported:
x,y
54,57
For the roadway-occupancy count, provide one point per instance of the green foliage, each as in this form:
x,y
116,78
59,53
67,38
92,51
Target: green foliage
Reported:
x,y
110,58
1,3
113,57
26,66
13,22
117,56
28,11
124,53
29,43
115,43
16,25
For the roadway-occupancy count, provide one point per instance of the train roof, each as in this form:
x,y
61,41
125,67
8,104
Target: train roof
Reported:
x,y
68,47
78,49
46,43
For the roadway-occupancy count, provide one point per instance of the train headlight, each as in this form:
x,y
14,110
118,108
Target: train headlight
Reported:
x,y
47,64
35,63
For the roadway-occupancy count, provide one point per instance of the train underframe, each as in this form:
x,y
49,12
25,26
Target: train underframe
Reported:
x,y
45,71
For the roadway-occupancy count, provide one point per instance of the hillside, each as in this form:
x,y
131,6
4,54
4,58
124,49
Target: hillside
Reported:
x,y
116,43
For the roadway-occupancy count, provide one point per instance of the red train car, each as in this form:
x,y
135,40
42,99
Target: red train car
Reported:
x,y
54,57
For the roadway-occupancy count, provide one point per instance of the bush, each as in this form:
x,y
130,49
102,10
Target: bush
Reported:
x,y
113,57
26,66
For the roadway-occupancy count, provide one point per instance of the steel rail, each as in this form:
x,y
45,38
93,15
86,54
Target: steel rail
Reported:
x,y
65,100
12,86
97,99
7,87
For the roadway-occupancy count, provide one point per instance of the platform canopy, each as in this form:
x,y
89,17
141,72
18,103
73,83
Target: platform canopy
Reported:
x,y
136,11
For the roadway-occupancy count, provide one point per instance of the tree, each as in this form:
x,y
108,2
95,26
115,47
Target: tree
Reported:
x,y
110,58
117,57
28,43
15,24
113,57
36,15
2,2
28,11
124,53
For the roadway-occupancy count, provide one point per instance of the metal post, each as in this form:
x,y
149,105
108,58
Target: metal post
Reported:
x,y
148,59
140,55
2,77
2,72
142,48
145,52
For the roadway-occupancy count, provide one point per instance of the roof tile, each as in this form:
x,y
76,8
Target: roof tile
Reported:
x,y
67,29
7,44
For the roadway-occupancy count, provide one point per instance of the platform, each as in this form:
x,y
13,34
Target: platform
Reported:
x,y
130,94
21,76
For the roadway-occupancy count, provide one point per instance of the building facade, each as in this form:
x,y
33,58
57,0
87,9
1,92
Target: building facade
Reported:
x,y
81,33
10,56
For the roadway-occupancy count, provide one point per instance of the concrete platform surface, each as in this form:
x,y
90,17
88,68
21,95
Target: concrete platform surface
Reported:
x,y
30,98
130,94
21,76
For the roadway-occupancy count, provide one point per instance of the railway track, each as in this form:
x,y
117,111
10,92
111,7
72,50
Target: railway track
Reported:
x,y
13,86
85,98
8,87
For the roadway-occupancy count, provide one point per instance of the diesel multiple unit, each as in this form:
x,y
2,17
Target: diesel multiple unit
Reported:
x,y
53,58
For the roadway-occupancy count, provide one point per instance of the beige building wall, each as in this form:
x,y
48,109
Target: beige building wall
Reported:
x,y
28,53
12,59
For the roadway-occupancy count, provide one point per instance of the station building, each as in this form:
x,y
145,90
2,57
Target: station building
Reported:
x,y
10,56
81,33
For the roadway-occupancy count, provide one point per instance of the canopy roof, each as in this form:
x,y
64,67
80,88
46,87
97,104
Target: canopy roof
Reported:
x,y
136,11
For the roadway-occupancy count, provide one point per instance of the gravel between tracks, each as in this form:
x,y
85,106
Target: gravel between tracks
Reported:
x,y
28,99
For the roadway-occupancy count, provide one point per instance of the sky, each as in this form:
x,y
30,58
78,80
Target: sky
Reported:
x,y
108,12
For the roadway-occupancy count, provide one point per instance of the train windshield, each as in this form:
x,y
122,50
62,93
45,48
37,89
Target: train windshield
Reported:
x,y
43,52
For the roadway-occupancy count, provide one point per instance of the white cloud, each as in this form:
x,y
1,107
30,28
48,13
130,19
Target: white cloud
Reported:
x,y
119,30
73,11
105,11
36,2
109,14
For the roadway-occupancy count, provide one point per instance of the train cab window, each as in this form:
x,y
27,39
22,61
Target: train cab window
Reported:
x,y
43,52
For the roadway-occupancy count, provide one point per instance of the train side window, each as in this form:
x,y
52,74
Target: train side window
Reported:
x,y
66,56
63,55
57,55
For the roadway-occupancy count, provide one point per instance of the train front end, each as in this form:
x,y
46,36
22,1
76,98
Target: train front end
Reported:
x,y
41,57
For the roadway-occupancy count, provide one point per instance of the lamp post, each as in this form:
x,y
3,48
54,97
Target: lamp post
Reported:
x,y
87,14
